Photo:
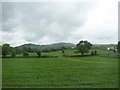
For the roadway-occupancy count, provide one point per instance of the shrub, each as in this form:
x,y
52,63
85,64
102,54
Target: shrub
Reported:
x,y
13,55
25,54
39,54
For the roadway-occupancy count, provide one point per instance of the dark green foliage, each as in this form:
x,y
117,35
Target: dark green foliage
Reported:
x,y
114,50
18,50
94,52
76,51
83,47
6,49
46,48
63,51
24,49
29,49
0,50
13,55
39,53
25,54
118,47
63,48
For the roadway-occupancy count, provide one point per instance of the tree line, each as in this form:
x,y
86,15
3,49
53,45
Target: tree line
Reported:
x,y
81,47
8,50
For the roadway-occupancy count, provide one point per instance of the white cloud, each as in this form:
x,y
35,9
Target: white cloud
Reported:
x,y
44,22
101,25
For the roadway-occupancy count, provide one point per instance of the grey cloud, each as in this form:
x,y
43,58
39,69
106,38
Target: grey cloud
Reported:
x,y
44,21
119,20
0,12
29,16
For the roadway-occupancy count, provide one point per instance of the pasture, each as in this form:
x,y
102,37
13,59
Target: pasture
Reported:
x,y
61,72
0,73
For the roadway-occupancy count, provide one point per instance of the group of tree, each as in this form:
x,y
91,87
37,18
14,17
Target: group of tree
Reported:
x,y
118,47
8,50
82,47
45,48
94,52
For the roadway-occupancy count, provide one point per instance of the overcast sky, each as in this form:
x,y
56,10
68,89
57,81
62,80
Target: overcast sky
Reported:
x,y
51,22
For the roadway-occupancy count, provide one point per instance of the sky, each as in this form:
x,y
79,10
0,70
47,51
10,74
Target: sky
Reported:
x,y
70,21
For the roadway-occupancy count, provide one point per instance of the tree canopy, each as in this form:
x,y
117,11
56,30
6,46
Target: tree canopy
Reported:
x,y
83,47
39,53
118,46
6,49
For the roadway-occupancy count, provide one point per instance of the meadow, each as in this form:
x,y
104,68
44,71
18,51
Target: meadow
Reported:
x,y
0,73
61,72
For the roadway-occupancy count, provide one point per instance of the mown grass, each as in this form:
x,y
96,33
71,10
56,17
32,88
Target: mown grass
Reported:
x,y
71,72
0,73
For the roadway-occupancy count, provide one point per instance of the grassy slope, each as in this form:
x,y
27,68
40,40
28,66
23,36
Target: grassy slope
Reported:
x,y
0,73
86,72
68,52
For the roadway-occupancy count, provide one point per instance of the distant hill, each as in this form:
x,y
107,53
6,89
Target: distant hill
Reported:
x,y
48,47
60,46
29,45
103,46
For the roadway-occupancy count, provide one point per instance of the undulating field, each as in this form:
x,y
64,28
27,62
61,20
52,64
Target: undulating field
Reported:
x,y
0,73
68,72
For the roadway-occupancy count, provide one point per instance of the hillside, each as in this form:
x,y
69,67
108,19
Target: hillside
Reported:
x,y
48,47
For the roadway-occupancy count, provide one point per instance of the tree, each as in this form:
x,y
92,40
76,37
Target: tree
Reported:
x,y
29,49
39,53
25,54
92,53
114,49
63,48
6,49
95,52
13,52
0,50
83,47
24,49
63,51
118,47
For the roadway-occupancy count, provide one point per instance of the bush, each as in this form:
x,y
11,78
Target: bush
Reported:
x,y
25,54
39,54
13,55
63,51
92,53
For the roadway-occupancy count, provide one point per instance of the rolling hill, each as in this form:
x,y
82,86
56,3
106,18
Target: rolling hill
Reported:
x,y
48,47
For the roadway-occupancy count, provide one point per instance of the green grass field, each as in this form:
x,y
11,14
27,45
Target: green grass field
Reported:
x,y
68,52
68,72
0,73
